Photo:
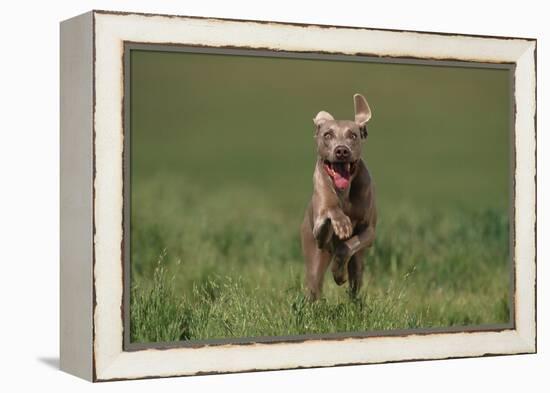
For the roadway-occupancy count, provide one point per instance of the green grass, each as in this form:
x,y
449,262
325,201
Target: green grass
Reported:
x,y
221,173
223,268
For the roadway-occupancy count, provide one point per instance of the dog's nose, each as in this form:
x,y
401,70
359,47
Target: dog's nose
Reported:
x,y
342,153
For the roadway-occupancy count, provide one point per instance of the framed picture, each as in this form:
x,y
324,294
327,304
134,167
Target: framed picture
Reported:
x,y
246,195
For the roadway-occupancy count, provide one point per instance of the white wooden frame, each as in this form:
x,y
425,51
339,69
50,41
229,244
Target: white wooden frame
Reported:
x,y
92,90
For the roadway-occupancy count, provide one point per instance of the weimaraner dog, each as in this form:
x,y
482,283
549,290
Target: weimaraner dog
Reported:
x,y
340,220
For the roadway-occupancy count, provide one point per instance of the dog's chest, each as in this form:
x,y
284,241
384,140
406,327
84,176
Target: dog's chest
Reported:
x,y
352,209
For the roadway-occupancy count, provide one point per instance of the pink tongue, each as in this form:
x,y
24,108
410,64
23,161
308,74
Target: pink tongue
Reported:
x,y
340,181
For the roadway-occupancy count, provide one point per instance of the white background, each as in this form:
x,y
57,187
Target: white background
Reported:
x,y
29,196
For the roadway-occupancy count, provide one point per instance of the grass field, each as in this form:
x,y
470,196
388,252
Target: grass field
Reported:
x,y
221,173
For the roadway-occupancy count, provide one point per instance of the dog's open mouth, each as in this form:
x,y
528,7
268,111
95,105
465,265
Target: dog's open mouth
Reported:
x,y
340,172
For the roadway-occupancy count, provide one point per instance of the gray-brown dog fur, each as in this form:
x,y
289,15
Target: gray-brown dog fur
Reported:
x,y
339,224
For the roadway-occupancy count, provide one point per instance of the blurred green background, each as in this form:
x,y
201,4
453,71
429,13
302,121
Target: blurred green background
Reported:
x,y
222,156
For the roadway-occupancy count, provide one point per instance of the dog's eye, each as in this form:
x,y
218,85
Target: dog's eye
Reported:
x,y
328,135
352,135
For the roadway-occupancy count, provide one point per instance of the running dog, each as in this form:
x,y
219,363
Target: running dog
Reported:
x,y
340,220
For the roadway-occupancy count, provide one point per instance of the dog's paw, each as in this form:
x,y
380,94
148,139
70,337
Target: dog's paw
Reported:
x,y
342,226
322,232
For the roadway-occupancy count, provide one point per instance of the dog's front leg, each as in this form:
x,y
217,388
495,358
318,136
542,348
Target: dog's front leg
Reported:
x,y
322,231
365,238
331,221
345,250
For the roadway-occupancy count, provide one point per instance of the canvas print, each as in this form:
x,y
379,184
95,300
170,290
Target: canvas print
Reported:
x,y
277,197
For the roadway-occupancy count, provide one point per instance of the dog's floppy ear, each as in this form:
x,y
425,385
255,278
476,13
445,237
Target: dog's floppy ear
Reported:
x,y
321,118
362,113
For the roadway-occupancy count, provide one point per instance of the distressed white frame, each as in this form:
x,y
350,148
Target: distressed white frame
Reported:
x,y
111,30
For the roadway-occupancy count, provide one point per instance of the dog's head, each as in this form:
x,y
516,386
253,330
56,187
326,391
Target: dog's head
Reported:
x,y
339,142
